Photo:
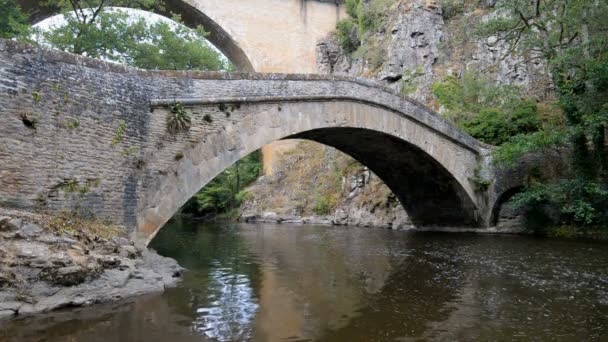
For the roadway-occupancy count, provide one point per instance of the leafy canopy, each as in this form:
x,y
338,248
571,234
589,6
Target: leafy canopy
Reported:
x,y
120,36
12,20
489,112
225,192
571,37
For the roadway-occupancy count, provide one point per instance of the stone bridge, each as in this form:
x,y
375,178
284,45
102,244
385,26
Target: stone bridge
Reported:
x,y
83,133
79,133
256,35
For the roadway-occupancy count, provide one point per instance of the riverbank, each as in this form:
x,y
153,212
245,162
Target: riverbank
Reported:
x,y
49,262
514,225
330,220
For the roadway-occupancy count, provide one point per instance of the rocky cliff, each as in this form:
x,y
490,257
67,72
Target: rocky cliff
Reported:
x,y
320,185
412,44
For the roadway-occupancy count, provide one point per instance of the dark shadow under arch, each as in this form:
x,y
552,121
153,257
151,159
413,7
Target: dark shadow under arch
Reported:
x,y
500,201
428,192
191,16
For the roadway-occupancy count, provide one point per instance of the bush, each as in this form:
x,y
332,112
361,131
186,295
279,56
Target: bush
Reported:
x,y
352,7
489,112
346,35
370,16
579,201
452,8
493,126
322,205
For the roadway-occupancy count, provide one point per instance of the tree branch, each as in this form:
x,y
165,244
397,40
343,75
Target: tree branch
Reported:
x,y
96,13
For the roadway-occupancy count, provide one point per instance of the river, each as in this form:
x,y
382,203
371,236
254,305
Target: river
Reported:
x,y
314,283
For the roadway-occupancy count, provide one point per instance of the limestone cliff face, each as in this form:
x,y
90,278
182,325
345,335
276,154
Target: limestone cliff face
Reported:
x,y
415,43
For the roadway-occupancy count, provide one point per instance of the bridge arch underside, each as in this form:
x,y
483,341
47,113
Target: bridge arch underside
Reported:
x,y
428,172
191,17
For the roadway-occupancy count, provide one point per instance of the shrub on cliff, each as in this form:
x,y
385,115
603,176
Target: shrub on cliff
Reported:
x,y
347,35
489,112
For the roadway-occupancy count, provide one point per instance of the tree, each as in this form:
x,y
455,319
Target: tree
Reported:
x,y
12,20
120,36
571,37
489,112
225,192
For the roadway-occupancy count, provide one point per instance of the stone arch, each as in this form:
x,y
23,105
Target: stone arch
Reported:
x,y
427,173
503,198
191,16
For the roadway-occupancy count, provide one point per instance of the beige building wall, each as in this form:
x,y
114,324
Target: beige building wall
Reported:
x,y
276,35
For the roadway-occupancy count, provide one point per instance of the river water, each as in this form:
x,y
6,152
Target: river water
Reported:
x,y
309,283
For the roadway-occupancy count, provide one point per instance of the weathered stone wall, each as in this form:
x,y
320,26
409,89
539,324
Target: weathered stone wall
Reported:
x,y
82,133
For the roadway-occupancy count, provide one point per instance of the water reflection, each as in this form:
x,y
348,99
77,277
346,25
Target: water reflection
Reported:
x,y
272,283
231,306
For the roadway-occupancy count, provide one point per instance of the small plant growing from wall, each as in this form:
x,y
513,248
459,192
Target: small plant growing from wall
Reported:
x,y
120,131
36,96
178,119
71,123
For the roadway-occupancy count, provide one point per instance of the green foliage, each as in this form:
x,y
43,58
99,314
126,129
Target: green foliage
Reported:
x,y
225,191
72,123
120,131
352,8
570,36
370,14
364,16
241,196
116,35
489,112
345,36
452,8
130,150
178,119
579,201
480,183
544,29
322,205
36,96
496,127
12,20
509,154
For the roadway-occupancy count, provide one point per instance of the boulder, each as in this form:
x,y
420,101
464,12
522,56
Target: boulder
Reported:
x,y
4,314
128,251
65,276
29,230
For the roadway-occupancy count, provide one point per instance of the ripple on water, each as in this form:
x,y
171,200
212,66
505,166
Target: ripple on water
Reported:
x,y
230,307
